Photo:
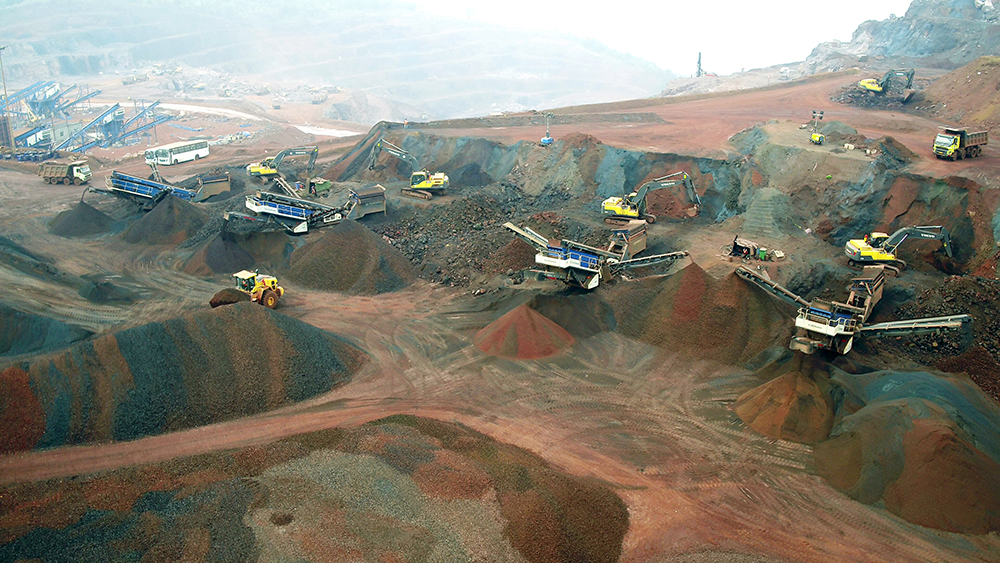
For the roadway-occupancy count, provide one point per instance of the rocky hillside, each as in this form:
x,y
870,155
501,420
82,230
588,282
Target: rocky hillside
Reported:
x,y
446,67
933,33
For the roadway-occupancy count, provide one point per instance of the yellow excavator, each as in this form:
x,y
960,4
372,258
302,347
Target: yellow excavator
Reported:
x,y
423,184
880,248
900,78
268,168
262,288
633,205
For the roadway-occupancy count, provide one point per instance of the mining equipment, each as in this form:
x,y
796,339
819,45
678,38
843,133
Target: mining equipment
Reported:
x,y
817,138
899,79
633,205
423,184
298,215
262,288
833,326
547,139
880,248
143,191
267,169
750,250
580,265
76,172
956,144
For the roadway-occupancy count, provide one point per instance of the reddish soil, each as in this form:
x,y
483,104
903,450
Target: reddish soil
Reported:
x,y
702,125
21,415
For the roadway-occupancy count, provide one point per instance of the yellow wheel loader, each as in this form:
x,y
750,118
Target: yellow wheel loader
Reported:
x,y
262,288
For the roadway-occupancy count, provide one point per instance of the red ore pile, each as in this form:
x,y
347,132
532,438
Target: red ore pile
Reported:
x,y
523,334
696,315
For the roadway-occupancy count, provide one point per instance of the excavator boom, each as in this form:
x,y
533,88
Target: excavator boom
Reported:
x,y
633,205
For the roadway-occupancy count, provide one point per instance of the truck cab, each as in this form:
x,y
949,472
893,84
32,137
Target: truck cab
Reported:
x,y
946,144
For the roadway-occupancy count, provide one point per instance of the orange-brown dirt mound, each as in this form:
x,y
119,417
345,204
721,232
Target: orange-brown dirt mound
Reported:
x,y
171,222
694,314
349,258
517,255
228,296
790,407
81,221
524,334
925,444
397,489
21,416
190,371
946,483
970,95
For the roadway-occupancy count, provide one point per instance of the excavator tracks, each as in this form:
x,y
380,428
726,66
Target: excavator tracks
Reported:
x,y
418,194
892,268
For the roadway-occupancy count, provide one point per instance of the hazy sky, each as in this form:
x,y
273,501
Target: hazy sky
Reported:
x,y
730,34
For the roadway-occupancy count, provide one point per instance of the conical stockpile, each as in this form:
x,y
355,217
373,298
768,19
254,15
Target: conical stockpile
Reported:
x,y
81,221
349,258
523,334
172,221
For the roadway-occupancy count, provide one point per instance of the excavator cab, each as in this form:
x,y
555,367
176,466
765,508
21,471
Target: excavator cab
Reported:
x,y
419,179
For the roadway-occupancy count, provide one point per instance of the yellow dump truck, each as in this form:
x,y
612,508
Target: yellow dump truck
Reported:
x,y
956,144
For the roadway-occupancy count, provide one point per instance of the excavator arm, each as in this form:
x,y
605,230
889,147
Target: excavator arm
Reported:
x,y
637,199
313,152
383,145
926,232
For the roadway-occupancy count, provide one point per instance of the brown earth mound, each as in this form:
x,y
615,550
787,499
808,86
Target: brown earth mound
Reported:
x,y
171,222
970,95
190,371
397,489
925,444
790,407
21,416
517,255
349,258
81,221
523,334
228,296
694,314
946,482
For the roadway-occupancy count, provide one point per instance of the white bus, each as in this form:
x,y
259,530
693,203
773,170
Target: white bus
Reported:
x,y
177,152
